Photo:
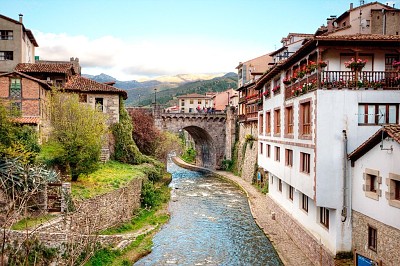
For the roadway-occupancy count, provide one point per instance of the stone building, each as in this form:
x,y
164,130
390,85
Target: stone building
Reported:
x,y
17,44
375,190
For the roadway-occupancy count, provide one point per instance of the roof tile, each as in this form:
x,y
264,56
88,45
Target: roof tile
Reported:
x,y
45,67
81,84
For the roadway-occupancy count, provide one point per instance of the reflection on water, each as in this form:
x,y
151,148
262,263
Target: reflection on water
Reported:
x,y
210,224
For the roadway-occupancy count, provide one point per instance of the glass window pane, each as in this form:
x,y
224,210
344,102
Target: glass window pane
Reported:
x,y
382,114
361,114
371,114
392,114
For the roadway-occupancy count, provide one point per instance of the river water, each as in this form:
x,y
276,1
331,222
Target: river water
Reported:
x,y
210,224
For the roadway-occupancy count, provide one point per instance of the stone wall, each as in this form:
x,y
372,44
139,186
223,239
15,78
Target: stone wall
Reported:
x,y
77,230
310,246
101,212
388,239
247,155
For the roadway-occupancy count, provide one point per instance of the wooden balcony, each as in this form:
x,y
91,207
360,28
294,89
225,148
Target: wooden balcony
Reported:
x,y
377,80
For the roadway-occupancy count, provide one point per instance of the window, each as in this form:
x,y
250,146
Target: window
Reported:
x,y
6,34
268,151
389,59
6,55
324,216
83,98
280,185
190,110
372,238
371,184
198,101
99,104
268,122
191,101
16,108
288,157
277,154
261,147
305,118
378,114
304,202
291,192
393,194
183,103
260,124
15,88
396,189
277,121
305,162
289,120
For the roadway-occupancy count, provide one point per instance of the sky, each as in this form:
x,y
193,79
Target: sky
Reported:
x,y
143,39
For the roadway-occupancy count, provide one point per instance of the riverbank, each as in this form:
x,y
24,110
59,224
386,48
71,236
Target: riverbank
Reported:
x,y
260,208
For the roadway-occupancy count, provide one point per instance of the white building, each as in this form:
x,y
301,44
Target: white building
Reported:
x,y
309,125
375,190
194,103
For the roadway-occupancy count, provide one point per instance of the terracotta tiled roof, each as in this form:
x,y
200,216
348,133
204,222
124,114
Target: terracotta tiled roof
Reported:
x,y
27,120
81,84
193,95
45,67
359,37
392,131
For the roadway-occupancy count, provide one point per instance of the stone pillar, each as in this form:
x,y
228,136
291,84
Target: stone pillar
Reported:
x,y
230,129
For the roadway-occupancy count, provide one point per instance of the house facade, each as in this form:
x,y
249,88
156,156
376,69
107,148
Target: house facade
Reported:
x,y
375,190
29,97
316,110
17,44
194,103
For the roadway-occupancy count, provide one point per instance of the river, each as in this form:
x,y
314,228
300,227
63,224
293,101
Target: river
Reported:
x,y
211,224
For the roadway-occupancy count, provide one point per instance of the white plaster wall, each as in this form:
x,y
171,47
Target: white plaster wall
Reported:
x,y
310,220
385,162
337,111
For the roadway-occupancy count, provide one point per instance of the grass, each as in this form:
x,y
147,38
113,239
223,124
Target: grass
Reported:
x,y
110,176
154,217
32,222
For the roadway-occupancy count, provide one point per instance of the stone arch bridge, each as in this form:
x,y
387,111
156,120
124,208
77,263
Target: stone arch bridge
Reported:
x,y
213,134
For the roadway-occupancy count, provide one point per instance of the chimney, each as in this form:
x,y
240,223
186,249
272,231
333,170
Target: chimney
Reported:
x,y
20,18
351,5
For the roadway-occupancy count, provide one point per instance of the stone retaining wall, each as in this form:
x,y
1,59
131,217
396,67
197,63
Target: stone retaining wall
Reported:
x,y
100,212
307,243
247,158
78,229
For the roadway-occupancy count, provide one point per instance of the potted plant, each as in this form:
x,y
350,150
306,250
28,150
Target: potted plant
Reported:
x,y
311,67
266,93
396,65
355,65
286,81
276,89
322,64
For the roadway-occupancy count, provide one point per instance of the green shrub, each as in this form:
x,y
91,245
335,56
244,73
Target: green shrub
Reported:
x,y
189,155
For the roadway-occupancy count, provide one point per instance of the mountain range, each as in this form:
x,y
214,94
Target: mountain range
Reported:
x,y
168,87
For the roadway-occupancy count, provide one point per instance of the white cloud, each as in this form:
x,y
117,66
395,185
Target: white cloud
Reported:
x,y
135,59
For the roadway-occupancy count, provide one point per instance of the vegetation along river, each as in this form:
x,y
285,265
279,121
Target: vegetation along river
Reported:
x,y
210,224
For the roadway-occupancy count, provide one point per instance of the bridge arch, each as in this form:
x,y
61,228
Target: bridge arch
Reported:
x,y
207,130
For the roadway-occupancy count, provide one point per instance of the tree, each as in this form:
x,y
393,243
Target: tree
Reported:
x,y
75,141
145,134
16,141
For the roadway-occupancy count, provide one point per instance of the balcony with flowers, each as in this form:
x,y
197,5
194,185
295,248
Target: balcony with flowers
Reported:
x,y
355,78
